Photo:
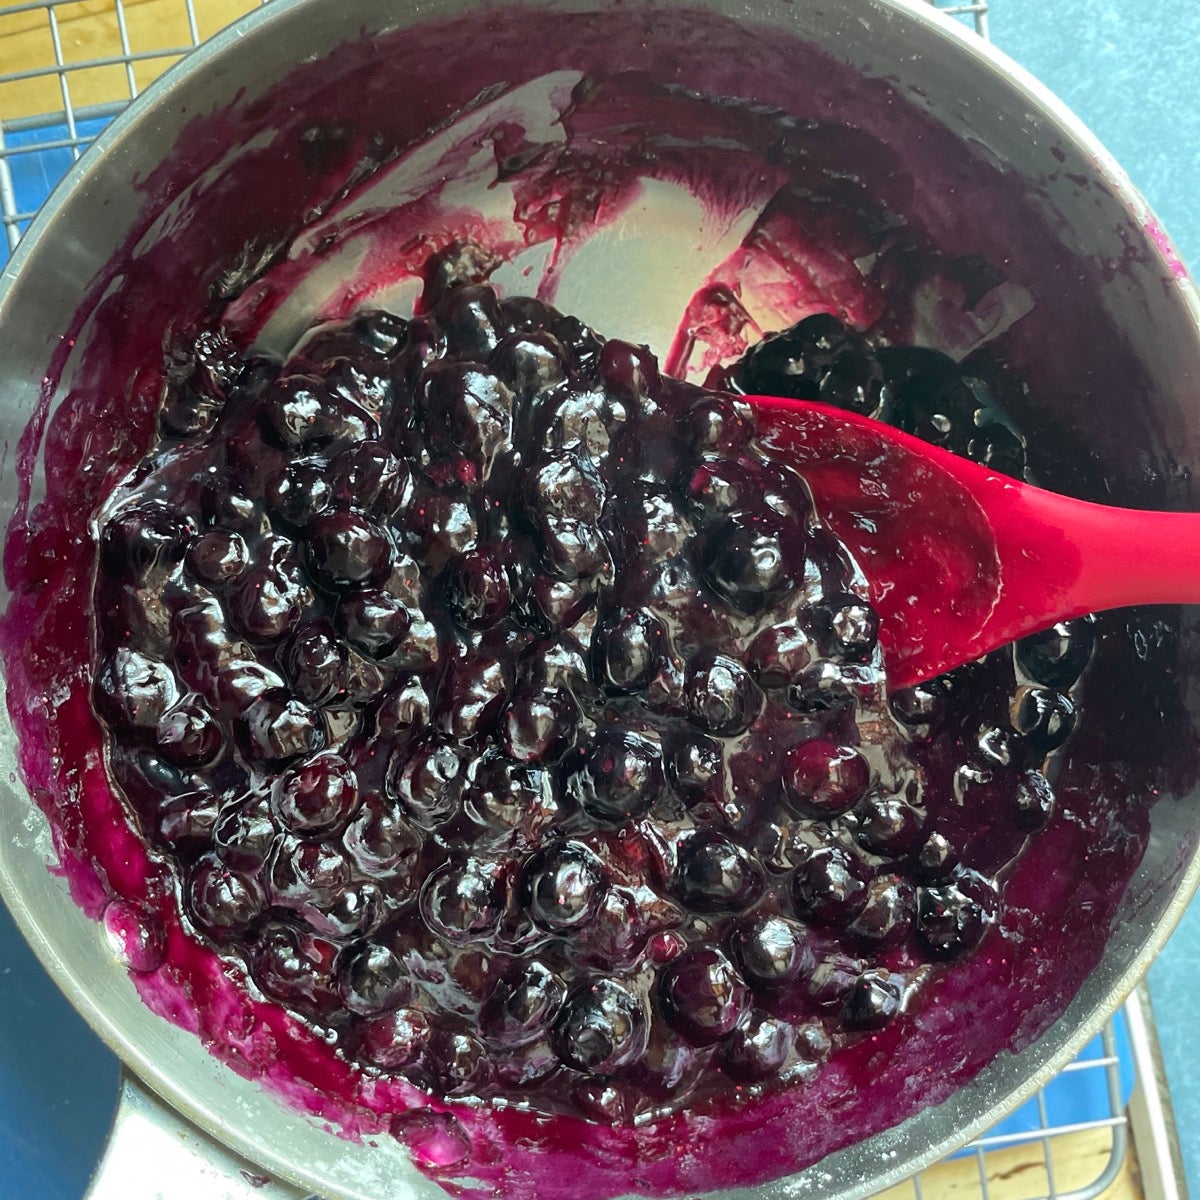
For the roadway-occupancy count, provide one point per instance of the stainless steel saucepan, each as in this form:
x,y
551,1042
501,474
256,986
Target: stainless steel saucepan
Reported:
x,y
190,1126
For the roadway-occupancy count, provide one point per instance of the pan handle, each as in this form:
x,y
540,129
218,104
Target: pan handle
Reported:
x,y
153,1153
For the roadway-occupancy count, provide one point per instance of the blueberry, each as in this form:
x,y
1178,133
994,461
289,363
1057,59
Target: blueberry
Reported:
x,y
604,1028
368,477
891,826
295,968
759,1050
188,734
876,999
718,425
721,697
886,917
1035,802
565,485
473,693
372,979
949,922
462,901
1043,717
267,602
854,627
427,778
470,315
405,707
394,1040
540,726
317,664
716,875
772,951
921,706
696,769
529,362
937,858
702,995
379,331
318,797
561,886
346,550
749,562
144,537
374,621
627,371
830,885
185,822
718,487
781,654
522,1008
277,728
298,495
383,843
825,779
221,901
620,778
245,833
302,414
478,592
305,873
468,411
134,691
218,556
630,647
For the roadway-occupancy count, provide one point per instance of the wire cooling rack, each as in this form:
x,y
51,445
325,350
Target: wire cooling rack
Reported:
x,y
67,67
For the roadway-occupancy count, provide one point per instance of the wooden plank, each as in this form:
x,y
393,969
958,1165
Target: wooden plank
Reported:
x,y
88,30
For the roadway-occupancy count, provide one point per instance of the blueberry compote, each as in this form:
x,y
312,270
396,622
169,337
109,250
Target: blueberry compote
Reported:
x,y
508,714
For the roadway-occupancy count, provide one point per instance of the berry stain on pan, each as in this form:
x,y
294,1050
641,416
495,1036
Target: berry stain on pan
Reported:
x,y
464,726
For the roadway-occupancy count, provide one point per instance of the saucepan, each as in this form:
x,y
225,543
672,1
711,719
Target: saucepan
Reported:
x,y
196,195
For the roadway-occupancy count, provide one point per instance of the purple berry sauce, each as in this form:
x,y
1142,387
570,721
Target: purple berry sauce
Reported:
x,y
494,719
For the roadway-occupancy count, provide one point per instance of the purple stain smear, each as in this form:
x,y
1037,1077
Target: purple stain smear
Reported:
x,y
853,218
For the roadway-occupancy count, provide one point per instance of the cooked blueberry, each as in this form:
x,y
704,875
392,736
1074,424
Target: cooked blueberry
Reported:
x,y
759,1050
299,494
936,858
383,843
220,900
468,411
540,726
470,315
186,822
561,886
830,885
368,477
891,826
702,995
718,425
627,371
529,362
721,697
696,768
603,1028
523,1007
462,901
394,1040
1044,718
428,779
1057,656
781,654
821,687
716,875
317,664
717,487
277,728
772,951
620,778
473,694
478,591
245,833
630,646
218,556
145,536
854,626
135,691
887,915
824,778
748,562
950,922
295,968
374,621
345,549
317,797
267,602
920,706
372,979
301,413
1035,802
188,734
875,1000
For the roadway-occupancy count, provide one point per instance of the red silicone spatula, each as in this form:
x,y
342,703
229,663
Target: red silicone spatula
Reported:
x,y
961,560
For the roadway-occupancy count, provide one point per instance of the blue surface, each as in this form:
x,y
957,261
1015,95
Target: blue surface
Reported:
x,y
1131,70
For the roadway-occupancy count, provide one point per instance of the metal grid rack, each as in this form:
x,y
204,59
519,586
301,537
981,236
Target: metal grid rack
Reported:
x,y
67,67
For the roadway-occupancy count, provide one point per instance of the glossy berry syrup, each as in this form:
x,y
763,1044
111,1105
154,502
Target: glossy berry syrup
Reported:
x,y
505,713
